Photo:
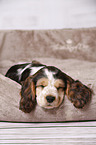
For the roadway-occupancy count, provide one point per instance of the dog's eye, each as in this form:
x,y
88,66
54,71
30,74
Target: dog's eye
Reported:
x,y
60,88
41,86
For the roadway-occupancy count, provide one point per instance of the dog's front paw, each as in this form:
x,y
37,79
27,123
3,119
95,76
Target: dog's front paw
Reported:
x,y
79,94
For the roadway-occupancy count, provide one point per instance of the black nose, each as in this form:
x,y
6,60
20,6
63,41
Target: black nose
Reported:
x,y
50,99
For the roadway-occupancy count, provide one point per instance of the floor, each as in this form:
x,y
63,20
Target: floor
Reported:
x,y
72,133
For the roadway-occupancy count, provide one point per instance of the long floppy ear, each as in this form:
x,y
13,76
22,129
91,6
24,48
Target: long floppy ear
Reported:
x,y
78,93
27,93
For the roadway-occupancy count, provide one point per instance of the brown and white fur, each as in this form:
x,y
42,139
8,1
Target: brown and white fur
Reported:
x,y
47,86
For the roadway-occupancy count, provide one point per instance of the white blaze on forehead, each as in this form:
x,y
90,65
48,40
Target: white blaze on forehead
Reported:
x,y
51,79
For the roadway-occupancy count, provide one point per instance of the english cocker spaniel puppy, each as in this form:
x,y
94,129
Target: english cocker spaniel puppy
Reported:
x,y
47,86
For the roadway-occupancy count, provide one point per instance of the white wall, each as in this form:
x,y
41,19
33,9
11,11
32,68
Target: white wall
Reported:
x,y
47,14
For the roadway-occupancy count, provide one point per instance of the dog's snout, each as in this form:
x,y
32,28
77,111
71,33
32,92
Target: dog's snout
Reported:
x,y
50,99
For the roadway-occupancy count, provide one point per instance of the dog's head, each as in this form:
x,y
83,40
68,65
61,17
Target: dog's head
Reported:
x,y
46,88
50,88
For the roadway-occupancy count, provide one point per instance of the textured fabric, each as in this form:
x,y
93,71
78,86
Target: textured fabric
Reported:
x,y
72,51
9,96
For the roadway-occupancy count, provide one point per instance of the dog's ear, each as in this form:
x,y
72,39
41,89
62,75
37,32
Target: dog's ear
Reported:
x,y
78,93
27,93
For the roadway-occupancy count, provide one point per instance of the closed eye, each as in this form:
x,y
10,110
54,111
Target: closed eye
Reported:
x,y
40,86
60,88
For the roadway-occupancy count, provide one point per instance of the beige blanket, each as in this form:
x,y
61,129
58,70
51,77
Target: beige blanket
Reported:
x,y
78,46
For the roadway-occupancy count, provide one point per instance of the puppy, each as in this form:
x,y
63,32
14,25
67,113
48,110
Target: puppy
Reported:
x,y
47,86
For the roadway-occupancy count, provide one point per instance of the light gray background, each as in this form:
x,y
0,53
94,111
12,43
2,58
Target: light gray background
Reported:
x,y
47,14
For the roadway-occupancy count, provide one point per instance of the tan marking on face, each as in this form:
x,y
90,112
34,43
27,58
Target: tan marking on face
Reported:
x,y
59,83
42,82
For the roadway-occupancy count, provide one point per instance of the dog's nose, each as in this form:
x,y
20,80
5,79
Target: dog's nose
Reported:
x,y
50,99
